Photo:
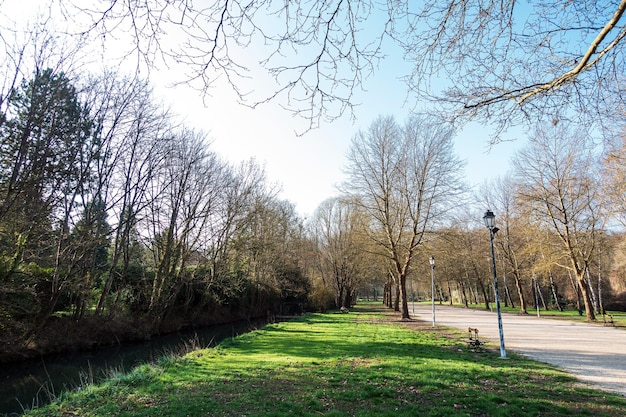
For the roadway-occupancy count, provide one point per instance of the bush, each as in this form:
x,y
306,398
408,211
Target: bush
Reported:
x,y
321,298
617,303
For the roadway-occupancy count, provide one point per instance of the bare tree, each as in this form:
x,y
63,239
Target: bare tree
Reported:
x,y
506,61
246,42
513,61
270,247
234,209
180,207
614,178
514,236
404,178
338,230
558,183
132,131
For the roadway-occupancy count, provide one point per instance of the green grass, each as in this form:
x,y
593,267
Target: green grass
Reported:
x,y
365,363
619,317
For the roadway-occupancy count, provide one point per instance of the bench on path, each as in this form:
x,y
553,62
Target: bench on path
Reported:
x,y
609,321
473,342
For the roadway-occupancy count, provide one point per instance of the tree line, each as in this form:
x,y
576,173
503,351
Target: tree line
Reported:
x,y
560,213
111,211
115,218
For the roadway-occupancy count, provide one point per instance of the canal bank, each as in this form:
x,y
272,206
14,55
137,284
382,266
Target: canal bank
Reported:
x,y
34,382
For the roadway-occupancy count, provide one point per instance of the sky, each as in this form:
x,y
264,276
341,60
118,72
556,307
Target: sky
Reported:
x,y
309,167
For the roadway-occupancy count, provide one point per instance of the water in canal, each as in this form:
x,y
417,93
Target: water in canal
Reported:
x,y
33,382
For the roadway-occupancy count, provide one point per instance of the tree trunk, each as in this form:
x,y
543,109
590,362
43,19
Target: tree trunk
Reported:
x,y
396,301
577,291
403,299
387,294
554,291
600,302
464,299
584,289
483,291
520,293
347,302
592,292
540,295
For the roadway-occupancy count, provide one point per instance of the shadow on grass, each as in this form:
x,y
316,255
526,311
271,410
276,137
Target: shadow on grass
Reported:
x,y
340,362
356,364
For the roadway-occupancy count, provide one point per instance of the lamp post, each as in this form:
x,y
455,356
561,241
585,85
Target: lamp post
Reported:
x,y
432,276
489,219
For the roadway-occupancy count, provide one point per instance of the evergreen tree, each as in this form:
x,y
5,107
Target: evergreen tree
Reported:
x,y
43,152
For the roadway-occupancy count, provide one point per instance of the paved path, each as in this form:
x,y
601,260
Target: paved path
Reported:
x,y
594,354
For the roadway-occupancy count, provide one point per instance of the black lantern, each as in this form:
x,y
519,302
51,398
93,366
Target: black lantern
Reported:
x,y
490,219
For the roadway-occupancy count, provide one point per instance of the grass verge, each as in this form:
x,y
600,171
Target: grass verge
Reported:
x,y
618,318
364,363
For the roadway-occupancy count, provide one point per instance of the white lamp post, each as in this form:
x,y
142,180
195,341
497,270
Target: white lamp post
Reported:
x,y
432,276
489,219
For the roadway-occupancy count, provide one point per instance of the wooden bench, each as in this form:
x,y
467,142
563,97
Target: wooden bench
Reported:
x,y
473,342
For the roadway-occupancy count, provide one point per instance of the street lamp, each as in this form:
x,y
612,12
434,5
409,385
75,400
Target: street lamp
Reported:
x,y
489,219
432,276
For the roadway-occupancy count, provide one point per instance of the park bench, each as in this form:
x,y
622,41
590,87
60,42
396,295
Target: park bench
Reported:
x,y
473,342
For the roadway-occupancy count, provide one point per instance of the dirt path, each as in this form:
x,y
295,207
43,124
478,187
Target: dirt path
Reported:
x,y
594,354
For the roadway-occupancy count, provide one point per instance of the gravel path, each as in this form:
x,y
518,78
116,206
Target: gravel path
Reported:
x,y
594,354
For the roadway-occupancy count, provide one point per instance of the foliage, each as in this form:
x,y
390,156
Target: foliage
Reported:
x,y
108,209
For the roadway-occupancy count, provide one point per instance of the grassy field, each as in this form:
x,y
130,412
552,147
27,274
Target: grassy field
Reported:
x,y
364,363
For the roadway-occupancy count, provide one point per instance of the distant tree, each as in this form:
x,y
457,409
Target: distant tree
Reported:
x,y
403,178
242,196
271,243
514,235
557,173
446,247
182,198
461,258
477,275
338,229
614,178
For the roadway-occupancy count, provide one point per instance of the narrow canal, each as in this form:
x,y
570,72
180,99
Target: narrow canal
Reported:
x,y
27,384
